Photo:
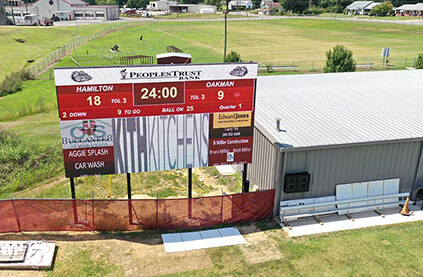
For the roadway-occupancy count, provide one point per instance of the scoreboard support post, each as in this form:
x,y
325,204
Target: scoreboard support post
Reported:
x,y
73,193
245,182
190,182
128,185
72,185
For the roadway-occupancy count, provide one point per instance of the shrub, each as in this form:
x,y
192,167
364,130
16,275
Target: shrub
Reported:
x,y
384,9
340,59
419,62
233,57
13,82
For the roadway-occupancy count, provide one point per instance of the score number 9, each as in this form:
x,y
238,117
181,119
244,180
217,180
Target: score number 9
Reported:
x,y
220,94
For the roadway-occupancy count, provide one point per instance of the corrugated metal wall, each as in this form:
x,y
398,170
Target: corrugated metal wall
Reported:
x,y
330,167
263,168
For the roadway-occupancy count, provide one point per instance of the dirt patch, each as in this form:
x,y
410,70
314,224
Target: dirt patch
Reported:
x,y
150,260
259,248
137,256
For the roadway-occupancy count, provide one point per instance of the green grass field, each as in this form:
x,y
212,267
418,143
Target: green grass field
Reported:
x,y
31,112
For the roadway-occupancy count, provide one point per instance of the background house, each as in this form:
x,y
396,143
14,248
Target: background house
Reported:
x,y
359,7
240,4
410,10
64,9
173,6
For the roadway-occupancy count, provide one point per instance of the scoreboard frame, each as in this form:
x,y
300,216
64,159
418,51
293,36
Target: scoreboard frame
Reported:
x,y
196,115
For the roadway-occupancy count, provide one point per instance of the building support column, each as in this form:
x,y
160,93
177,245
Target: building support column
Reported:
x,y
279,180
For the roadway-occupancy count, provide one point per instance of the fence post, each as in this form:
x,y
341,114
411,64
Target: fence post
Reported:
x,y
405,65
16,213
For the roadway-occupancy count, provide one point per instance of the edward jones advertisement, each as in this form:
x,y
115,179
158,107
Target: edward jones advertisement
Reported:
x,y
152,118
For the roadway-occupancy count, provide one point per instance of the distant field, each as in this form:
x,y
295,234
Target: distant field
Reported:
x,y
278,42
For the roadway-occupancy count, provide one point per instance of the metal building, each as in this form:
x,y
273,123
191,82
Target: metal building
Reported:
x,y
339,128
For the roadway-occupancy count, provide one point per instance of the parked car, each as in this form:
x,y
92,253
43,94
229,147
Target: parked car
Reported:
x,y
44,21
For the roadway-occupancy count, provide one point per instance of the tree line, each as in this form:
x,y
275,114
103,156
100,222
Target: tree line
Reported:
x,y
336,6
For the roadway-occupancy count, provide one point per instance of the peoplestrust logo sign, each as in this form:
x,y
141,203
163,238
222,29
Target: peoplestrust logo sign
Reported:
x,y
173,74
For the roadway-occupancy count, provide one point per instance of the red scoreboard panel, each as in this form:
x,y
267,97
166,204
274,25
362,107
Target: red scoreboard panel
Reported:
x,y
149,118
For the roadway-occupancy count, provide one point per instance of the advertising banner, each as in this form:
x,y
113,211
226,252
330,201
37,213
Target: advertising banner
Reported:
x,y
151,118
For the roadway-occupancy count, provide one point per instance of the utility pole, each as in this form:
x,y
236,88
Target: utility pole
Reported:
x,y
226,29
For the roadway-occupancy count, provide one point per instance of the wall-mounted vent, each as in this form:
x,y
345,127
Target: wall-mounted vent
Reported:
x,y
297,182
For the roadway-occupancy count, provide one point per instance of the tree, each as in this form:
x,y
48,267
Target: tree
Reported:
x,y
419,62
384,9
295,6
340,59
233,57
106,2
135,4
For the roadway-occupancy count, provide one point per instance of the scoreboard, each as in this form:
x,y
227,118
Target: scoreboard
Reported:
x,y
149,118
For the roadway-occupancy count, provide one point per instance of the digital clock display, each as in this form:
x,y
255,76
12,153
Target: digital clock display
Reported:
x,y
158,93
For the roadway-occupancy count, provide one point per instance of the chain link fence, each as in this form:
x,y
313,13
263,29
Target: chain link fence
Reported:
x,y
317,65
40,66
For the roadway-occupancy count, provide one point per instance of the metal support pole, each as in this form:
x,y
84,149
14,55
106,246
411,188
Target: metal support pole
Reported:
x,y
128,185
189,182
226,29
72,184
73,193
245,182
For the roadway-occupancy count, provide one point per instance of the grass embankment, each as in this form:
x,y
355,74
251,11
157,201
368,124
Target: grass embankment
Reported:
x,y
22,163
39,42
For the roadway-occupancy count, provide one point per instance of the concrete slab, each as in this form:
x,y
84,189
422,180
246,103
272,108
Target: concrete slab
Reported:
x,y
172,242
225,169
200,240
231,236
334,222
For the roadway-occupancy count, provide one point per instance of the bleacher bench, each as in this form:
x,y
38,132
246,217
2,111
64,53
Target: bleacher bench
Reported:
x,y
315,207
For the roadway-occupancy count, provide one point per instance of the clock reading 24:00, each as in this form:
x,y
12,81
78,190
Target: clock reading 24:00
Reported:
x,y
158,93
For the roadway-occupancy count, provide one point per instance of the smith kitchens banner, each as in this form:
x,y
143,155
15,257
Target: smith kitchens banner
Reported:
x,y
150,118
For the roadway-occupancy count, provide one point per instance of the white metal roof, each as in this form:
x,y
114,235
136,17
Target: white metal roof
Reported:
x,y
411,7
358,5
319,110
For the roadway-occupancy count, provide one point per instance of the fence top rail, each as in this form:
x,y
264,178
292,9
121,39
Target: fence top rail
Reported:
x,y
323,204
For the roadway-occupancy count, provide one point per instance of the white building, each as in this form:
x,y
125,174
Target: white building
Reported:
x,y
359,7
162,5
173,6
244,4
64,9
410,10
